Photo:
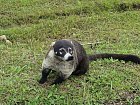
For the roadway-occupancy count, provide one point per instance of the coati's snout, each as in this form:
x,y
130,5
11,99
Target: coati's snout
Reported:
x,y
69,58
63,50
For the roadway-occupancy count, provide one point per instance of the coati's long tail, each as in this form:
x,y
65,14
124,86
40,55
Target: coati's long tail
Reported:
x,y
124,57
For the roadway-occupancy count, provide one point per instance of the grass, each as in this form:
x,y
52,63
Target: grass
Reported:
x,y
32,25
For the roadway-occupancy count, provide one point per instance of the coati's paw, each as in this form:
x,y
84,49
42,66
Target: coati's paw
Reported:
x,y
42,81
58,80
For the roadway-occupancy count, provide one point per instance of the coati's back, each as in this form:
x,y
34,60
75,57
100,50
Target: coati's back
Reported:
x,y
83,60
81,53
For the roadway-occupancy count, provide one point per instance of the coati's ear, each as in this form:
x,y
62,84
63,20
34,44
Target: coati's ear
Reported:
x,y
52,44
71,42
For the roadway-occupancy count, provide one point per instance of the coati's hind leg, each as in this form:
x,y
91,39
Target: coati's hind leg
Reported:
x,y
82,68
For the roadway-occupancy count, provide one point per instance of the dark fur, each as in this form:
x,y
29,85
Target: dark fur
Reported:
x,y
124,57
83,60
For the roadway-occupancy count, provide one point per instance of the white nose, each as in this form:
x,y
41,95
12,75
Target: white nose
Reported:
x,y
67,56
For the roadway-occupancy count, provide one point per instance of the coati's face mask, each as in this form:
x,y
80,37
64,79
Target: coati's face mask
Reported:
x,y
63,50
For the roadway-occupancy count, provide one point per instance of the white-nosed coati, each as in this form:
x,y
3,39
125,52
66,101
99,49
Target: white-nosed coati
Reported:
x,y
68,57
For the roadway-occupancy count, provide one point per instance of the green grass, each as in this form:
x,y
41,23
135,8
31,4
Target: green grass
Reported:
x,y
32,25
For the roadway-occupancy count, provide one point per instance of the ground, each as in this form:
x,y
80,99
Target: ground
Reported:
x,y
31,25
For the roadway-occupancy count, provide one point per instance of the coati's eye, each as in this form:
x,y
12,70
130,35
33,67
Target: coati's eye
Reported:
x,y
62,51
70,50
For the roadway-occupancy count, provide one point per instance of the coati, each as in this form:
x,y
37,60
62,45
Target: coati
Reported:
x,y
68,57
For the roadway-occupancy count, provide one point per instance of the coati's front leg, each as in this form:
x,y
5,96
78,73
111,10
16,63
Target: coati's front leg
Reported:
x,y
45,73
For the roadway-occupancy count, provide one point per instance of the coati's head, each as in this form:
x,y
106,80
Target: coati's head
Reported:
x,y
63,49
